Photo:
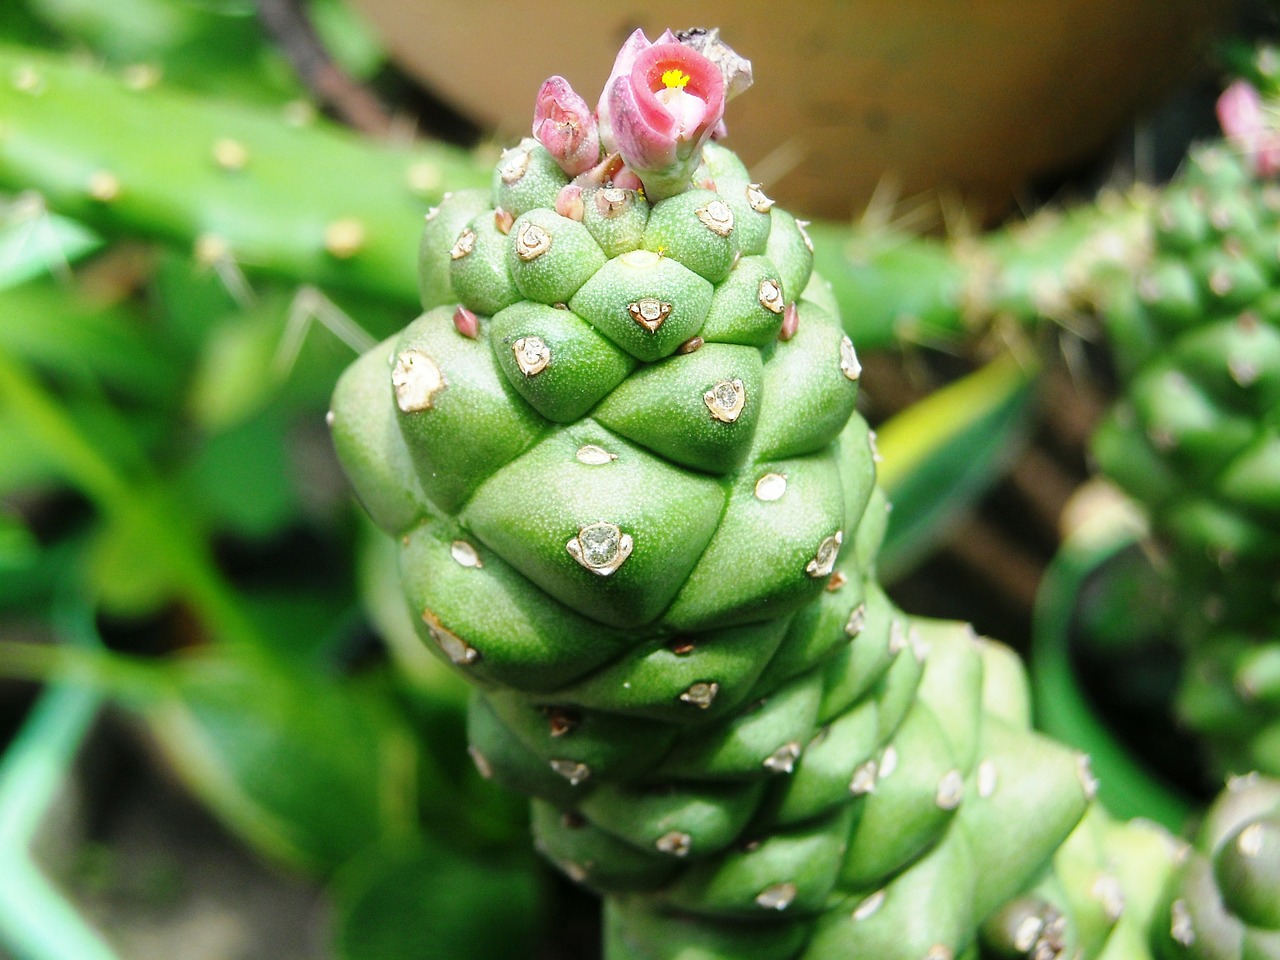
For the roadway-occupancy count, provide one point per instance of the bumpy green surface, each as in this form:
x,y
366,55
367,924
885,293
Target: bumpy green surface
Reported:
x,y
1197,439
1224,901
644,526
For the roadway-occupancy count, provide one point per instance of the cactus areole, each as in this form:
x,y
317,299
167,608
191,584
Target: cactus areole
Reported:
x,y
636,508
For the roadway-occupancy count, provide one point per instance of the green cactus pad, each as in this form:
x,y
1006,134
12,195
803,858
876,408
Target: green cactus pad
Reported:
x,y
367,438
445,387
1194,435
616,218
646,304
551,256
479,273
556,360
444,223
695,228
697,409
748,305
615,539
526,177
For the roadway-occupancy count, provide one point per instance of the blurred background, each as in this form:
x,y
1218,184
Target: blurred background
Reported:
x,y
221,735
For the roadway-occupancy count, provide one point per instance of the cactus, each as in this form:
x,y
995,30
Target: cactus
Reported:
x,y
636,508
1194,438
1224,899
1100,899
232,183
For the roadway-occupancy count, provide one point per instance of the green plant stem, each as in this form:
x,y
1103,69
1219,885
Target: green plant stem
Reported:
x,y
1126,789
894,287
139,500
104,672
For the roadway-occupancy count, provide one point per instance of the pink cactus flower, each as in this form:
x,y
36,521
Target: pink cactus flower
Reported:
x,y
634,45
662,112
563,123
1245,122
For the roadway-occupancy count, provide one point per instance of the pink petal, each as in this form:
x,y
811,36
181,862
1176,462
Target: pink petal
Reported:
x,y
562,122
634,45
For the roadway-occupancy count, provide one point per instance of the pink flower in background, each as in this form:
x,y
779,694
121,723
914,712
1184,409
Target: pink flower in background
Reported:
x,y
662,111
1246,123
563,123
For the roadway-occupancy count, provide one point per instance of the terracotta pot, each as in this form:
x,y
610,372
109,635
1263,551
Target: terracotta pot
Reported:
x,y
973,97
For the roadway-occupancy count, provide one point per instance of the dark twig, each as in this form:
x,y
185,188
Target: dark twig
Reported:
x,y
289,24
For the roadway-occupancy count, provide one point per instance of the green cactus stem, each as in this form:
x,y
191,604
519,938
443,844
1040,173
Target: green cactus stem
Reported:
x,y
635,507
1224,899
235,184
1195,437
893,287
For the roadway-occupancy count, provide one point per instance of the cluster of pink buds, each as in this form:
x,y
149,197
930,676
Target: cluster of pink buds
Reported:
x,y
1251,125
660,105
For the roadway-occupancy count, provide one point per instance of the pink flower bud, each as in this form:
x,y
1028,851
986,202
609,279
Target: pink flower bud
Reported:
x,y
662,113
790,322
466,322
569,202
562,122
1245,123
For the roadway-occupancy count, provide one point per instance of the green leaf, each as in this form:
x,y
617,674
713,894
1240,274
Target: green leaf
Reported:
x,y
939,456
34,242
891,287
216,46
127,575
309,769
429,902
26,460
55,327
18,548
347,37
241,480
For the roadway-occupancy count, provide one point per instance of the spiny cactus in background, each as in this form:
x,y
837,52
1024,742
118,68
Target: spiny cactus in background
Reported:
x,y
292,197
1196,434
636,508
1224,900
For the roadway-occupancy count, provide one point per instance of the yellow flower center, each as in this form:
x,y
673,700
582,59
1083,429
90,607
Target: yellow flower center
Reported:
x,y
675,78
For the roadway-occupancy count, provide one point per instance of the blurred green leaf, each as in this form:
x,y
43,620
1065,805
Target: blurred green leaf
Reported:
x,y
285,351
234,378
126,29
18,548
80,459
940,455
214,46
55,327
429,902
240,480
19,25
26,460
891,287
34,242
347,37
126,572
311,770
308,626
190,299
